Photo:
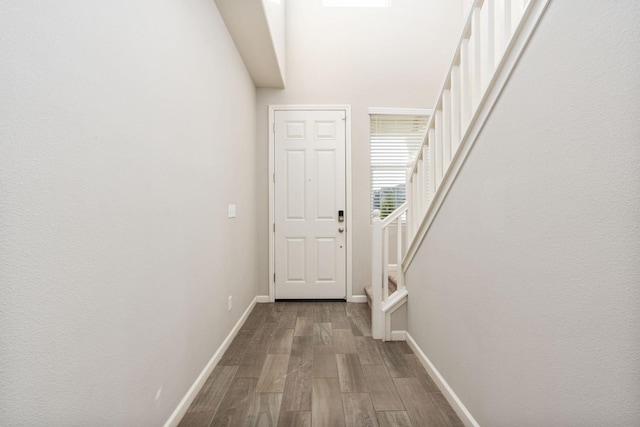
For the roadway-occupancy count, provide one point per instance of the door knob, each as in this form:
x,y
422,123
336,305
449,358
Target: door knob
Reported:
x,y
341,230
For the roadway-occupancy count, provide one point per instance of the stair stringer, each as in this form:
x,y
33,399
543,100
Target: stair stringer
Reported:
x,y
395,301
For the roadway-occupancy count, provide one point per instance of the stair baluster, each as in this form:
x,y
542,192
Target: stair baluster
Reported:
x,y
486,38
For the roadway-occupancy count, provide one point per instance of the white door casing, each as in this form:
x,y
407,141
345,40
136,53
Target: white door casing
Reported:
x,y
309,189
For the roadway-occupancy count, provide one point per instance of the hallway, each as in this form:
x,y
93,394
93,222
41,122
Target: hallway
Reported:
x,y
315,363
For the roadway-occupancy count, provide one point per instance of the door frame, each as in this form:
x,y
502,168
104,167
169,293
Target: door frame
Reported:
x,y
349,209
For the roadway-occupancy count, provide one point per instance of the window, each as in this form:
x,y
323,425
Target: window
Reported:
x,y
396,135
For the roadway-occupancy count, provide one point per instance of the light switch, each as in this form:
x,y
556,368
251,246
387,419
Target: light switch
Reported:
x,y
231,211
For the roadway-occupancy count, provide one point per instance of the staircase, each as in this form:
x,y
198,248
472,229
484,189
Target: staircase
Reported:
x,y
493,38
393,286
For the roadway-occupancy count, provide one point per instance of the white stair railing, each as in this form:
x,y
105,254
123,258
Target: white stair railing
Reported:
x,y
494,35
487,37
381,299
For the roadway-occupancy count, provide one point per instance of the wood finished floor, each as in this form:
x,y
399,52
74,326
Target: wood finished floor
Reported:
x,y
315,364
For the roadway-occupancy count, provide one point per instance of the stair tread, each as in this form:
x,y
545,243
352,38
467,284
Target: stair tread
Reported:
x,y
393,286
393,283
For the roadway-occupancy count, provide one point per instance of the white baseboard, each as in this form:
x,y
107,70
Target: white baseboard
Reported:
x,y
193,391
358,299
457,405
262,299
398,335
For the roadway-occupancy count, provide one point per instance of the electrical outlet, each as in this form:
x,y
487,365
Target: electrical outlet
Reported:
x,y
230,302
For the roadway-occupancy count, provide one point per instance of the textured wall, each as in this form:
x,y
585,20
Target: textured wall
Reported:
x,y
125,129
525,293
364,57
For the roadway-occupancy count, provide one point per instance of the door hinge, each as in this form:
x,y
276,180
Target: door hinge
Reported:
x,y
274,277
273,177
274,127
274,227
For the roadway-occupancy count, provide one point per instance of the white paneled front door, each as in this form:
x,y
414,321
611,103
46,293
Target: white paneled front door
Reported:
x,y
309,191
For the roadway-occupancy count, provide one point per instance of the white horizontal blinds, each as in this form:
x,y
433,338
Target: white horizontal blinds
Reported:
x,y
395,140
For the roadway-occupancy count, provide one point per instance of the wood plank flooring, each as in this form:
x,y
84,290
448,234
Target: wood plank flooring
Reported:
x,y
315,364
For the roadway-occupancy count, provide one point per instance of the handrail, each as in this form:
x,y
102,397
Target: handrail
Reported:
x,y
395,214
485,46
455,60
494,35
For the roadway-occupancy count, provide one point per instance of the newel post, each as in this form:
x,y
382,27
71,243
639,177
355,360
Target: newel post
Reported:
x,y
376,276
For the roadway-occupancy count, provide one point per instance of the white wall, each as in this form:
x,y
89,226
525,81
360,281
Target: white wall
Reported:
x,y
125,129
378,57
525,294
